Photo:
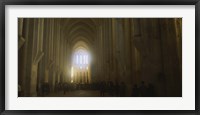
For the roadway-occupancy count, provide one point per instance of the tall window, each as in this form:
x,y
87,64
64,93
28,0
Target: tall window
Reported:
x,y
86,59
77,59
80,59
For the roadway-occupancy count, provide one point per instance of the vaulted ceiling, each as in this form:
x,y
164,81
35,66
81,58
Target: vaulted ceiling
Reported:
x,y
81,32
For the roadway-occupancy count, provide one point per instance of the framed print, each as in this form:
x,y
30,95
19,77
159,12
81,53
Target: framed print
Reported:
x,y
103,57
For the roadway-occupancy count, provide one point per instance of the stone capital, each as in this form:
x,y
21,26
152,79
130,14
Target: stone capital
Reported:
x,y
38,57
21,42
50,64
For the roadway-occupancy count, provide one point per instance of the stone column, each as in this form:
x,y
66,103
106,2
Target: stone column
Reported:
x,y
27,56
21,39
135,29
49,59
23,80
127,57
38,35
113,26
172,78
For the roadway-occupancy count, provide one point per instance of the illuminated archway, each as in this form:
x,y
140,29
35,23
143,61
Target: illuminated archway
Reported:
x,y
81,61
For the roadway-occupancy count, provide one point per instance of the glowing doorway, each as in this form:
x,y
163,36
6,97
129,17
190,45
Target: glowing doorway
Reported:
x,y
80,70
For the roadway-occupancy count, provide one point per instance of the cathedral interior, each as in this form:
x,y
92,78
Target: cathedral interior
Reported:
x,y
99,57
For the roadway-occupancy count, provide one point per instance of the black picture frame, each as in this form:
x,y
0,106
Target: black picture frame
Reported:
x,y
3,3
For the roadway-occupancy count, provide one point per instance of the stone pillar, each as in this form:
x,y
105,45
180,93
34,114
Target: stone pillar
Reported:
x,y
127,56
21,39
114,65
178,26
171,65
33,84
27,56
133,57
38,35
23,78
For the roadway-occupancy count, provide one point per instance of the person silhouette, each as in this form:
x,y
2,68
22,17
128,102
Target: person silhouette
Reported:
x,y
135,91
150,90
122,89
117,89
143,89
19,90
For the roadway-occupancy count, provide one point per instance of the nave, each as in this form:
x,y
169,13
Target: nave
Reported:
x,y
92,56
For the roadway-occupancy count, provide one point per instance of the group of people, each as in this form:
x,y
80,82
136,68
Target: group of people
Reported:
x,y
43,89
108,88
66,87
143,90
105,88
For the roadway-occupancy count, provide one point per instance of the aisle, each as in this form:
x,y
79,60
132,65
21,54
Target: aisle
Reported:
x,y
76,93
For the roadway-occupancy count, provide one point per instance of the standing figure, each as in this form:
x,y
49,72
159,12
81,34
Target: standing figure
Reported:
x,y
102,88
143,89
150,90
135,91
122,89
19,91
117,89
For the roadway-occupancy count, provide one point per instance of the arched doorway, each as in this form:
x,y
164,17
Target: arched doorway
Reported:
x,y
81,66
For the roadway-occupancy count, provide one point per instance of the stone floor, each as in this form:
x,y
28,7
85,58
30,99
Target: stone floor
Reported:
x,y
77,93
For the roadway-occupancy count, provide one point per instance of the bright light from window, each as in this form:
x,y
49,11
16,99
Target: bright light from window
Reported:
x,y
86,59
77,59
81,59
